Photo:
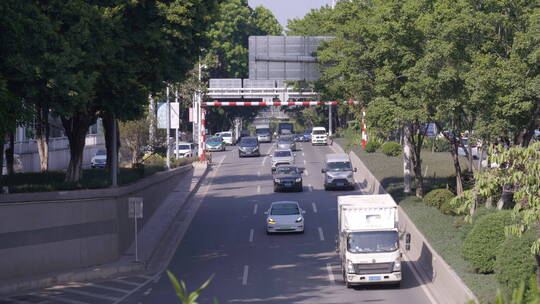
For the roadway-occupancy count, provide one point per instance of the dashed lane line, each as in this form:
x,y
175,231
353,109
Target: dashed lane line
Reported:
x,y
255,209
314,207
321,234
330,274
148,291
251,235
258,188
245,275
310,187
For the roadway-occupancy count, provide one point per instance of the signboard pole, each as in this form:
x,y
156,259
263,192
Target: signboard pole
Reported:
x,y
135,211
177,116
329,119
168,130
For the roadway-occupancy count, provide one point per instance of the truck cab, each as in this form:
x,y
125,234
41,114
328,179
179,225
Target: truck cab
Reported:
x,y
368,240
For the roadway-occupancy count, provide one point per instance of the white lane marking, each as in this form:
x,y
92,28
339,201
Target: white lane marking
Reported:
x,y
99,286
306,172
314,207
330,274
310,188
264,160
303,154
245,276
259,173
321,235
305,162
148,291
258,188
255,209
251,235
89,294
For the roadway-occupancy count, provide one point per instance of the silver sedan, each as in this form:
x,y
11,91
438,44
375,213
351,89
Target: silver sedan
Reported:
x,y
285,216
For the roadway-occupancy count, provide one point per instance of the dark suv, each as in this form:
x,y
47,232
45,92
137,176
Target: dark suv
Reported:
x,y
249,146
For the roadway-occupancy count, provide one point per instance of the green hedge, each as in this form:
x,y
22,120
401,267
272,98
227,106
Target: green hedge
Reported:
x,y
468,226
515,262
372,146
391,148
482,243
437,197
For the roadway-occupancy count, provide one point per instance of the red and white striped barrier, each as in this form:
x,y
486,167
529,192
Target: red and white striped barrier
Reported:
x,y
274,103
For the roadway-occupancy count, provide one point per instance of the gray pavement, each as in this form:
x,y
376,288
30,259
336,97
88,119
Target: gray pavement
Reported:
x,y
227,239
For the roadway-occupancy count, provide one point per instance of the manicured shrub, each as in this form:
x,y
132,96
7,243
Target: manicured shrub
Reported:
x,y
372,146
154,160
481,244
437,197
468,226
448,209
391,148
515,262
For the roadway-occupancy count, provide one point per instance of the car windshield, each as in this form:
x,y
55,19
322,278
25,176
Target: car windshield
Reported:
x,y
101,152
285,209
248,142
286,139
184,147
263,131
286,170
226,135
214,140
372,241
282,154
339,166
319,132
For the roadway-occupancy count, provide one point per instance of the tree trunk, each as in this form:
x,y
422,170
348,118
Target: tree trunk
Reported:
x,y
528,132
42,136
108,121
2,143
10,151
416,146
457,169
417,164
76,128
406,160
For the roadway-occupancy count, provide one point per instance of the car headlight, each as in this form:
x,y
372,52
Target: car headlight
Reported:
x,y
350,175
350,267
329,178
277,180
298,179
256,148
271,221
298,220
397,265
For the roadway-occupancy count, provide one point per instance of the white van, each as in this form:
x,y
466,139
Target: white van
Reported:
x,y
319,136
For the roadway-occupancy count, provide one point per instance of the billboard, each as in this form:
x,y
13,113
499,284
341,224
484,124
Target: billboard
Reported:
x,y
162,115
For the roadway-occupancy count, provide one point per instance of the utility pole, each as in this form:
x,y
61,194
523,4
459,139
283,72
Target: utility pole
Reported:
x,y
406,159
330,119
178,126
199,114
168,130
114,154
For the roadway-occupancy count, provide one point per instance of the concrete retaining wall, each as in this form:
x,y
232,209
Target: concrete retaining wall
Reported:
x,y
444,285
55,231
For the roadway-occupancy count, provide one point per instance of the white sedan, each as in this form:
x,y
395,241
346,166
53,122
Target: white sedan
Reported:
x,y
285,216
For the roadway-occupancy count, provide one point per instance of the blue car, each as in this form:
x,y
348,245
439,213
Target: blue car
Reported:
x,y
307,135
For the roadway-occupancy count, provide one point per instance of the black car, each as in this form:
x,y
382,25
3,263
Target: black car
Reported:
x,y
249,146
298,137
287,178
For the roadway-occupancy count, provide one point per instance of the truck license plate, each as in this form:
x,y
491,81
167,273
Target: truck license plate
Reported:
x,y
375,278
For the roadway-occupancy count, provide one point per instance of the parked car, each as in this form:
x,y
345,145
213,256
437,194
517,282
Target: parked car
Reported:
x,y
99,160
287,178
215,143
249,146
463,148
285,216
286,142
185,149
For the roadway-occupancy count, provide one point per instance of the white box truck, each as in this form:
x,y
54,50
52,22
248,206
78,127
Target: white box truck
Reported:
x,y
368,239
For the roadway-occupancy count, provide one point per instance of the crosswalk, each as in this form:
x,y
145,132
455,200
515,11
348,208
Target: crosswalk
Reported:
x,y
104,292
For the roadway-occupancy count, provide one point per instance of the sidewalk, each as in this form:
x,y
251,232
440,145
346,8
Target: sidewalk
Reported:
x,y
149,239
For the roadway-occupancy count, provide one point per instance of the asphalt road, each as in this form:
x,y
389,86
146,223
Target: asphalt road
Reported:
x,y
227,239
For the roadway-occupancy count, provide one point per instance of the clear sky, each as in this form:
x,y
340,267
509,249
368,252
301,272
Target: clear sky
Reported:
x,y
289,9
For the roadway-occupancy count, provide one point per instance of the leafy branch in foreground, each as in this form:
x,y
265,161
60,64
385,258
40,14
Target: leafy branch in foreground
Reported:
x,y
182,292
